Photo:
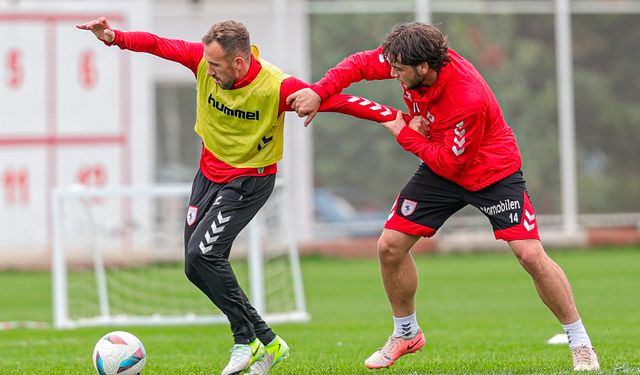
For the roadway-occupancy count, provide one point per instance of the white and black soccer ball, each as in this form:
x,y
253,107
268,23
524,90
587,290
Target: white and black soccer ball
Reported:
x,y
119,353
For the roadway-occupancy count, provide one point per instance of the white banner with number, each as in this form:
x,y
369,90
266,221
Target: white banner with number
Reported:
x,y
72,111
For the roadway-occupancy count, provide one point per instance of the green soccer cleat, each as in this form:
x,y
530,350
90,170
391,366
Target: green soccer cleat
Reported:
x,y
277,351
243,356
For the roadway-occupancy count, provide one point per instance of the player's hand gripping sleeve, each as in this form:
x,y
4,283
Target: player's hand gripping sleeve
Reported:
x,y
368,65
451,156
340,103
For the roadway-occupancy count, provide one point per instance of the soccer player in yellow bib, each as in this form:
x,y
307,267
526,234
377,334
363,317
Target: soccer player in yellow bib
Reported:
x,y
241,101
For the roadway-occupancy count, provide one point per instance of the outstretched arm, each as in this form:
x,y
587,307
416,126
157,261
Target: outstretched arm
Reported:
x,y
369,65
186,53
341,103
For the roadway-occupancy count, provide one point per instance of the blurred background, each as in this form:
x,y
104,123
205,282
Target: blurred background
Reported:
x,y
73,111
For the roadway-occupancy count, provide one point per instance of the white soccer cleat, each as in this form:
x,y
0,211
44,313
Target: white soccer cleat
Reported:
x,y
394,348
243,356
585,359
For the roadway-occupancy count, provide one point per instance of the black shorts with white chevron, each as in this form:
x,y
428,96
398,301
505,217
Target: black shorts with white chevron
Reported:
x,y
428,200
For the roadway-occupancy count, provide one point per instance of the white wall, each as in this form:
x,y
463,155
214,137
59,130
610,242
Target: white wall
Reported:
x,y
76,111
73,111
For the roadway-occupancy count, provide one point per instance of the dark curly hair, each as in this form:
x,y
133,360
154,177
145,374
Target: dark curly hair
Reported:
x,y
413,43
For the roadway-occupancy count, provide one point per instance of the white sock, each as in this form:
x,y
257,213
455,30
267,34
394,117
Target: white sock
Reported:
x,y
577,334
406,326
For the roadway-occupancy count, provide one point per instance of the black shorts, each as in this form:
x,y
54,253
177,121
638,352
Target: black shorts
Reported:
x,y
428,200
218,212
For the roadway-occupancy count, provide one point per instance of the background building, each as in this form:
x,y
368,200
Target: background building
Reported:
x,y
76,112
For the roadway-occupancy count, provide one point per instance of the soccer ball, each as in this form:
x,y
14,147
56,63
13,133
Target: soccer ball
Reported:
x,y
119,353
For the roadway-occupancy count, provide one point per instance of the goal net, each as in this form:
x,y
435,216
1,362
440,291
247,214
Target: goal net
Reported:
x,y
118,259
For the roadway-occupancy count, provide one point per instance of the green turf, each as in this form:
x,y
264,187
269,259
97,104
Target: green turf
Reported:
x,y
480,314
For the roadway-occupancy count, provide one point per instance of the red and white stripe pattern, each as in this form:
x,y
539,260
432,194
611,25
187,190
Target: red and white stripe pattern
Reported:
x,y
384,111
115,339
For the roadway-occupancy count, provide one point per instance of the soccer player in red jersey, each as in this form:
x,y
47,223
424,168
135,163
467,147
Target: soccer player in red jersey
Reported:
x,y
469,155
240,117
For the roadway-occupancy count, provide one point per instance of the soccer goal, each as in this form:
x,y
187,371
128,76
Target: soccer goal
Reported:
x,y
118,259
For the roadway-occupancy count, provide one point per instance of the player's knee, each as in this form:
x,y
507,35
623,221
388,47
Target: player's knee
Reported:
x,y
194,254
530,254
389,251
190,259
191,272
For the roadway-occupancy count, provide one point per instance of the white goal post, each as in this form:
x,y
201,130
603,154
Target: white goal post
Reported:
x,y
118,259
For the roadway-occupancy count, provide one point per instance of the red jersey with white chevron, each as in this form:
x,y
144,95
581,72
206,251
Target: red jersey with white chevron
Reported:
x,y
190,54
470,142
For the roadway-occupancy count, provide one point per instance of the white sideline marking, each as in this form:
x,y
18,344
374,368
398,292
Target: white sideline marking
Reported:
x,y
560,338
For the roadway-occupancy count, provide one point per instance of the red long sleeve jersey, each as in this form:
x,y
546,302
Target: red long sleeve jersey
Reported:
x,y
470,144
190,54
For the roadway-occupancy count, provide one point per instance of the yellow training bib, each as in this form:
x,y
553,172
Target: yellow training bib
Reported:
x,y
241,126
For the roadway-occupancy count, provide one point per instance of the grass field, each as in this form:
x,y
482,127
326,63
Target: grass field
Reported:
x,y
480,314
